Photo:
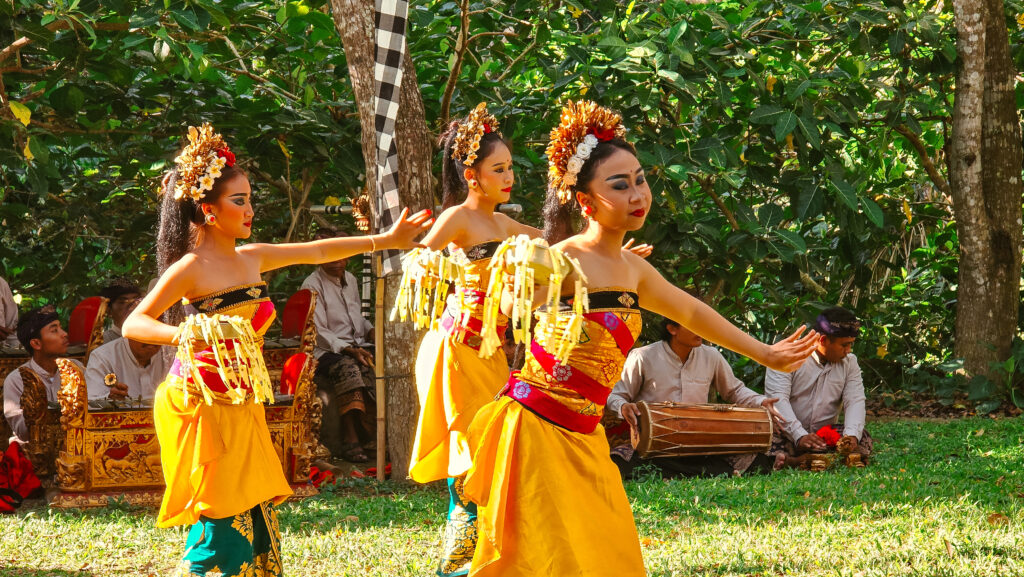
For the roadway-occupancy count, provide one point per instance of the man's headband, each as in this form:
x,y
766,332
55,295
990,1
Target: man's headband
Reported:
x,y
32,324
837,329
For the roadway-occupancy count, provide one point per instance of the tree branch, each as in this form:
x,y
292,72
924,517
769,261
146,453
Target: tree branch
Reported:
x,y
707,185
54,26
460,52
926,161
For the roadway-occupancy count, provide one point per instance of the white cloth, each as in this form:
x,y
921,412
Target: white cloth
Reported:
x,y
112,334
14,386
338,318
810,396
656,374
8,314
117,357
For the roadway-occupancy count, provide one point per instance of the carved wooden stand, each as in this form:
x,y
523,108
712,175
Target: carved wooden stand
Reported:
x,y
115,454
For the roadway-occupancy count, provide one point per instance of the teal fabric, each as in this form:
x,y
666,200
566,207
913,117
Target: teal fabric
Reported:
x,y
460,533
246,545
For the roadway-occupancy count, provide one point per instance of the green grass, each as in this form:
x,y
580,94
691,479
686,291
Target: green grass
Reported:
x,y
922,508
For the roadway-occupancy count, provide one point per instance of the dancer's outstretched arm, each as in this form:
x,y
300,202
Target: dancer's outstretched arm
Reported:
x,y
660,296
401,236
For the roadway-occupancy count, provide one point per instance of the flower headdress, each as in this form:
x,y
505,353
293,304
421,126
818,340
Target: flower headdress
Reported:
x,y
201,162
467,137
583,125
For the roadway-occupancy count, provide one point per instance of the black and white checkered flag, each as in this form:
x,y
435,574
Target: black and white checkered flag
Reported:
x,y
387,75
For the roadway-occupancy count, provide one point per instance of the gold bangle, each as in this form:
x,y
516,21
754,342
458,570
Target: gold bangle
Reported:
x,y
373,244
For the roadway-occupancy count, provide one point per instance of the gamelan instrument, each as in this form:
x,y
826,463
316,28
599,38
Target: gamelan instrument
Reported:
x,y
677,430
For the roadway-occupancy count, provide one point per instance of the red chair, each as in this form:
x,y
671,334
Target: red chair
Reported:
x,y
293,372
297,319
86,324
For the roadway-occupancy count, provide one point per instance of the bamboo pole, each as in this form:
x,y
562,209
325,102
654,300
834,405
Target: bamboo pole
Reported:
x,y
378,367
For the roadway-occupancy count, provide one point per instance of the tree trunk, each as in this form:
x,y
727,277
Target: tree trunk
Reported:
x,y
985,175
354,20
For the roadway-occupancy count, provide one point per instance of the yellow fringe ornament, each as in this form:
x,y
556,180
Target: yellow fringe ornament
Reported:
x,y
243,365
427,276
530,262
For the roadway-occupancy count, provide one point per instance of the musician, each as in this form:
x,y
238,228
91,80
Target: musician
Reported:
x,y
40,332
811,396
123,296
680,368
8,316
344,375
124,368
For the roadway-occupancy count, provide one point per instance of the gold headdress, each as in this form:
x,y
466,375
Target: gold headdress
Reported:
x,y
201,162
583,125
467,137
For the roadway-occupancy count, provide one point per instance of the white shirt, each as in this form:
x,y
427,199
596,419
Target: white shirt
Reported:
x,y
8,314
112,334
14,386
338,317
117,357
656,374
810,396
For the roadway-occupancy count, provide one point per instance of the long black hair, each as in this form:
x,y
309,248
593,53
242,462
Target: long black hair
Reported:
x,y
179,225
562,220
453,179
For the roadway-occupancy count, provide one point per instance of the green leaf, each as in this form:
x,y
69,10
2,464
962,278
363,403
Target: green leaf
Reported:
x,y
873,211
766,114
39,150
809,128
793,239
847,194
784,125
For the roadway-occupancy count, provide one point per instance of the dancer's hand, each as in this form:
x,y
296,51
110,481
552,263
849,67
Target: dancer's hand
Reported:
x,y
641,250
788,354
403,234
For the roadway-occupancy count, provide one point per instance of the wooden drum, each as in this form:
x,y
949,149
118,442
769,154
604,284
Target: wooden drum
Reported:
x,y
675,430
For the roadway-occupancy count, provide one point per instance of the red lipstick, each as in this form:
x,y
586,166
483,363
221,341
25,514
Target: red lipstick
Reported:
x,y
509,189
248,224
639,212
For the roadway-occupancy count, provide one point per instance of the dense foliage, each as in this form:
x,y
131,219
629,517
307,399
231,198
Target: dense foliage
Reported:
x,y
795,149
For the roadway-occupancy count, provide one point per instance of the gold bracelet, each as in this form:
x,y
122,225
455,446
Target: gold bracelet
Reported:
x,y
373,244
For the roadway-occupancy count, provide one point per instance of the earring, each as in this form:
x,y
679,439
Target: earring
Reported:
x,y
210,218
588,210
472,183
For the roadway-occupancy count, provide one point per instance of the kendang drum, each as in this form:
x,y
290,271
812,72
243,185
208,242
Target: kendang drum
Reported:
x,y
676,430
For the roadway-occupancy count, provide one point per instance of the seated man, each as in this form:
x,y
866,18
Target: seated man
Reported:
x,y
8,316
810,397
344,375
39,332
137,369
680,369
123,296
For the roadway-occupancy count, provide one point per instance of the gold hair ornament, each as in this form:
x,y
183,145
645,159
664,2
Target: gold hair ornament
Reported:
x,y
583,125
201,162
470,131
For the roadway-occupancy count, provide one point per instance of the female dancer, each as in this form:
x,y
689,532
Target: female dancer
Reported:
x,y
453,377
541,473
222,472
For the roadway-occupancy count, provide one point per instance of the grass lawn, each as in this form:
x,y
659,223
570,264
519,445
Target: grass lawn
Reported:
x,y
941,498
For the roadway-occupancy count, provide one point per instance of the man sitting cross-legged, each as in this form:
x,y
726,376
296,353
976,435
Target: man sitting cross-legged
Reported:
x,y
810,397
41,334
137,369
344,374
681,369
